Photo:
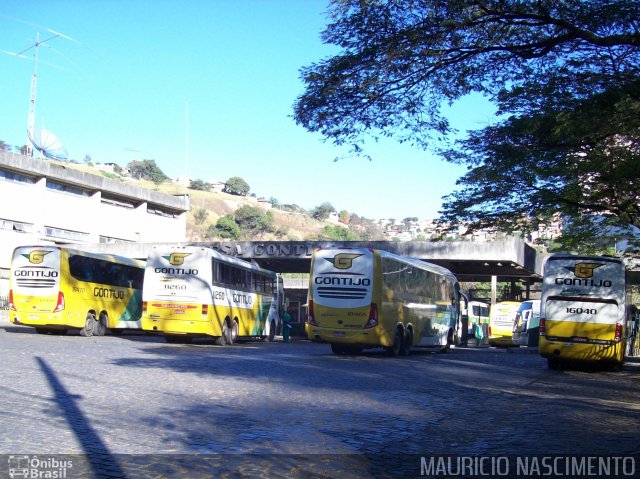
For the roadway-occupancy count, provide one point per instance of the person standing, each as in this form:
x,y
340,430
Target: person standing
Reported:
x,y
286,325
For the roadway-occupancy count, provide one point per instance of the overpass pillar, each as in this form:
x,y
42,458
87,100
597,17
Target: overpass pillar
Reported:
x,y
494,289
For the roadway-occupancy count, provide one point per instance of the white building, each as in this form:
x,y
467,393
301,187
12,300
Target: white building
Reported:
x,y
44,202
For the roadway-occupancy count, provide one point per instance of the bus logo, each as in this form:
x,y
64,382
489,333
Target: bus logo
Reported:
x,y
176,259
36,256
585,270
343,260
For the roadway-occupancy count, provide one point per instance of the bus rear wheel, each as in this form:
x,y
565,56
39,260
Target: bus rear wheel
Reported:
x,y
89,324
100,328
405,349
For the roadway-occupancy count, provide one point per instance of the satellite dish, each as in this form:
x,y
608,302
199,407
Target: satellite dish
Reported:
x,y
48,144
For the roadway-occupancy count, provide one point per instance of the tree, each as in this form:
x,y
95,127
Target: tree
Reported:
x,y
254,220
225,228
563,74
147,170
199,185
323,211
4,146
337,233
236,186
344,217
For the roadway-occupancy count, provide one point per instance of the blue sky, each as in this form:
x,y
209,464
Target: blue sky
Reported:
x,y
206,88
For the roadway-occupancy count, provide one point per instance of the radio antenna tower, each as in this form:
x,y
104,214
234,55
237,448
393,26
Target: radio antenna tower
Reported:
x,y
34,82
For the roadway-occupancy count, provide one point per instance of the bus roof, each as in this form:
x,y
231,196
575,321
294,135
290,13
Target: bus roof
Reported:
x,y
218,256
113,258
418,263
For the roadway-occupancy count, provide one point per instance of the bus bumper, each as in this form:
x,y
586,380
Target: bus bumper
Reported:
x,y
373,337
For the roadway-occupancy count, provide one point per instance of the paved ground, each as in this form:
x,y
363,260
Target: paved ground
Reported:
x,y
134,406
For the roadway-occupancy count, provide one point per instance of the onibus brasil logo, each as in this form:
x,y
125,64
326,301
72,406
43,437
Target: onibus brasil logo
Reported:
x,y
34,466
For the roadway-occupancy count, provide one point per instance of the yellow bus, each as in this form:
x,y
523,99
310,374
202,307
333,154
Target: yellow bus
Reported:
x,y
194,292
364,298
501,318
55,289
583,310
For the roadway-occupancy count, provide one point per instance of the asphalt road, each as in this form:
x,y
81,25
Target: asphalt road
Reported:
x,y
134,406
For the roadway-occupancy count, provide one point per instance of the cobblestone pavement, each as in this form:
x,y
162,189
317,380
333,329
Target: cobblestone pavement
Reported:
x,y
134,406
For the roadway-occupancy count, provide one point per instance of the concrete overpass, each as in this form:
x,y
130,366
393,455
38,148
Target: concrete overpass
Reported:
x,y
508,259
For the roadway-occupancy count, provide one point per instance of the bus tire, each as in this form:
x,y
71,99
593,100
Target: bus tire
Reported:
x,y
235,328
100,328
405,349
398,340
89,324
220,341
227,337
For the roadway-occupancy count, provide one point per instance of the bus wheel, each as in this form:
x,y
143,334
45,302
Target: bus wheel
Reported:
x,y
89,324
227,337
398,340
405,349
220,341
234,330
100,328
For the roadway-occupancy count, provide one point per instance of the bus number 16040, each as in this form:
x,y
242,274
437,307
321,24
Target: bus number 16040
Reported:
x,y
582,311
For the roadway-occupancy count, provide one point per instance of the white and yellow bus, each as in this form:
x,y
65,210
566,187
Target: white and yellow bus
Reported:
x,y
501,318
198,292
363,298
54,289
583,310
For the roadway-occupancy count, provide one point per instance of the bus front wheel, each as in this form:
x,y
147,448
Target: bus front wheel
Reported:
x,y
89,324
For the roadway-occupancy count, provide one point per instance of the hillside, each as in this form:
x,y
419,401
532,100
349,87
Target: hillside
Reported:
x,y
293,226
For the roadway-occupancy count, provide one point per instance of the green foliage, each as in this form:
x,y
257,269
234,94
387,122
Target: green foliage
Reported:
x,y
147,170
344,217
337,233
225,228
200,215
236,186
199,185
254,220
563,74
323,211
